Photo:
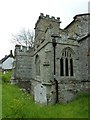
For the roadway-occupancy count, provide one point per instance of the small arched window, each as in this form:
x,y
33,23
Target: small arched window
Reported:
x,y
66,62
37,62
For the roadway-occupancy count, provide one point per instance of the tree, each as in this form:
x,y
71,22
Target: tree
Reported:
x,y
25,37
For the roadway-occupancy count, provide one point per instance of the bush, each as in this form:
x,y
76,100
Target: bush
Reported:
x,y
6,77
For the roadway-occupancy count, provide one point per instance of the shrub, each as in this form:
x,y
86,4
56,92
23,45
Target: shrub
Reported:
x,y
6,77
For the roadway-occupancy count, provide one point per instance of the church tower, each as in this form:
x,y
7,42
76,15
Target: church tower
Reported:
x,y
42,25
43,71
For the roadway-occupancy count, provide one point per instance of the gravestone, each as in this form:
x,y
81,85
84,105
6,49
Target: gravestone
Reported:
x,y
40,94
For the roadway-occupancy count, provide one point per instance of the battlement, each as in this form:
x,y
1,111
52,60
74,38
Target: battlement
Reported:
x,y
21,48
42,16
47,17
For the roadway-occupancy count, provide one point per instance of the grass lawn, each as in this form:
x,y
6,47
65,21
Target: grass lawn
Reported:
x,y
0,100
18,104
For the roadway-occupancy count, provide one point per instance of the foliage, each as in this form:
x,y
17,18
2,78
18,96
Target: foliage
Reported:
x,y
6,77
18,104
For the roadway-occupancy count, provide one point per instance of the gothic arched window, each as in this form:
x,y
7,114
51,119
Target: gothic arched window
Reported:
x,y
37,62
66,62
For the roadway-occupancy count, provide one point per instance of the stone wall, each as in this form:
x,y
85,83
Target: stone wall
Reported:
x,y
78,27
69,89
23,63
83,59
88,57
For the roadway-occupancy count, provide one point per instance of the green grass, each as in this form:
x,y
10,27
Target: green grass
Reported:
x,y
18,104
0,101
0,94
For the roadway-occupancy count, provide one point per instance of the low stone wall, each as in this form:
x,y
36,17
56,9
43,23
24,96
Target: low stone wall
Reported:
x,y
68,90
25,85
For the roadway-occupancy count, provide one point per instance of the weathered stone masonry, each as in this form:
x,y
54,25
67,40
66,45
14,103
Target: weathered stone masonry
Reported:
x,y
34,68
23,66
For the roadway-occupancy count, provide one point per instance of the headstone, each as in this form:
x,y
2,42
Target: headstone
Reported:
x,y
40,94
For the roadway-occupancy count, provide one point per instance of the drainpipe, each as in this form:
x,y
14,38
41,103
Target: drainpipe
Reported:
x,y
56,82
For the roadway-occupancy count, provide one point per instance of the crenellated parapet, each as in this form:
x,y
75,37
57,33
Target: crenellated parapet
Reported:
x,y
47,17
23,49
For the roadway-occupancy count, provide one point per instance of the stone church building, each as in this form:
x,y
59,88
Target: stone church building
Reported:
x,y
58,67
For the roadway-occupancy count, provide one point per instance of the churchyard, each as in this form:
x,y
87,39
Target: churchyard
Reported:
x,y
17,103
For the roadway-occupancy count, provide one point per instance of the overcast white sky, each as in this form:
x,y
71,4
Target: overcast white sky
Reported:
x,y
18,14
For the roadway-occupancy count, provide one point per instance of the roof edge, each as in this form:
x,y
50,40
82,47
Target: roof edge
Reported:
x,y
75,18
